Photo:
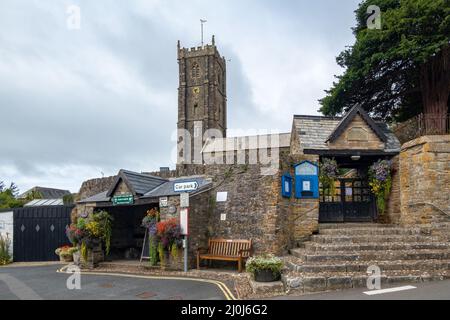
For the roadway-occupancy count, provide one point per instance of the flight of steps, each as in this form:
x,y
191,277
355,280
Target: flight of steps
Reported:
x,y
339,256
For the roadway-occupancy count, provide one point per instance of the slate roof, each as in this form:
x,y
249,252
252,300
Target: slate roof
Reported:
x,y
47,193
100,197
162,190
139,183
314,131
166,189
246,142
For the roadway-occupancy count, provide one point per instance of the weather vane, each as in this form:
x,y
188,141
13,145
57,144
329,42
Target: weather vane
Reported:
x,y
202,21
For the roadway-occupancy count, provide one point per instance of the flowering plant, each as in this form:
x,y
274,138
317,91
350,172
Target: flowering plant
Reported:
x,y
329,172
380,182
169,233
151,218
66,250
149,222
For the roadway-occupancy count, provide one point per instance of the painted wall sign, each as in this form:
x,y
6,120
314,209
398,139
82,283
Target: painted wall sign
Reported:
x,y
185,186
123,199
286,185
306,180
163,202
184,221
184,200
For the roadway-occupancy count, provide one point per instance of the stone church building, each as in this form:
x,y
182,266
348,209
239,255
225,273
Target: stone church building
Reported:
x,y
266,187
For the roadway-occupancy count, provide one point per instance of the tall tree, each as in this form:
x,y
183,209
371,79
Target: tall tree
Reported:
x,y
399,70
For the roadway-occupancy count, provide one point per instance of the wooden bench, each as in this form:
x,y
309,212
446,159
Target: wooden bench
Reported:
x,y
226,250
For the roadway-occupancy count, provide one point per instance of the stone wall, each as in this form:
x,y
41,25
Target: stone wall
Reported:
x,y
95,186
425,179
392,214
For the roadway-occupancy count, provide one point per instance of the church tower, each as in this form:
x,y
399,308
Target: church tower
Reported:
x,y
202,99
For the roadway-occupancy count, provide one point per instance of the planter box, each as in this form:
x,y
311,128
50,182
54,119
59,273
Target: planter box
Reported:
x,y
94,256
173,263
266,276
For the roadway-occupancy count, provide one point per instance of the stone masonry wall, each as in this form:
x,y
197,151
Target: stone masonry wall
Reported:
x,y
392,214
425,179
95,186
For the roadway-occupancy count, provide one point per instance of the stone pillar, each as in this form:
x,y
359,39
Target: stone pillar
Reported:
x,y
425,180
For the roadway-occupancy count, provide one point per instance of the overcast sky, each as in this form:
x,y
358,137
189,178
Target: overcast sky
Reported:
x,y
79,104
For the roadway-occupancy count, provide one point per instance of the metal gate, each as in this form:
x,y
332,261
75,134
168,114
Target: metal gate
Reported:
x,y
38,231
352,201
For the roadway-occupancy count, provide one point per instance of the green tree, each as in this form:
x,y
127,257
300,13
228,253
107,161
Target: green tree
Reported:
x,y
8,197
399,70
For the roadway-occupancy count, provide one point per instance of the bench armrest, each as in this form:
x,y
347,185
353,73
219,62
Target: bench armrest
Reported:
x,y
246,250
202,250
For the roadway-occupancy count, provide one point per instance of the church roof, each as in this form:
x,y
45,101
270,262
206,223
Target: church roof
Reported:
x,y
315,131
263,141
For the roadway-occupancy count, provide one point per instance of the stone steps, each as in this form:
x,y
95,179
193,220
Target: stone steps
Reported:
x,y
367,246
339,256
320,238
371,231
305,283
405,265
353,225
369,255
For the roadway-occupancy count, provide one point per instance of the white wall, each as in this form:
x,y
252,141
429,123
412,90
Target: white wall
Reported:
x,y
7,226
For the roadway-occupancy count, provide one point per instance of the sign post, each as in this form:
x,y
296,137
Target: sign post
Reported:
x,y
184,224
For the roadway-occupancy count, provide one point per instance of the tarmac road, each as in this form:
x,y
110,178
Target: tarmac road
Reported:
x,y
43,282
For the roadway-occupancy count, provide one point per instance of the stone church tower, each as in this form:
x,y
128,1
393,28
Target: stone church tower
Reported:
x,y
202,100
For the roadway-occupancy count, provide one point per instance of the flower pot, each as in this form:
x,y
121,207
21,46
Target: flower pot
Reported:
x,y
266,275
66,257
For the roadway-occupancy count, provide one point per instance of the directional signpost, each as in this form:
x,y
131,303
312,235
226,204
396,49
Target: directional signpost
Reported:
x,y
185,187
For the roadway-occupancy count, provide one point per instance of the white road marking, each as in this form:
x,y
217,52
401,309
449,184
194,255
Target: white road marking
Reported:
x,y
381,291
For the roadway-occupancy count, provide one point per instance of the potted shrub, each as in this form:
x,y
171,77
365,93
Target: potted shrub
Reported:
x,y
265,268
65,253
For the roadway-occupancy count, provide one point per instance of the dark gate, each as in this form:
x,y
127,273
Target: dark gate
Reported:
x,y
352,202
38,231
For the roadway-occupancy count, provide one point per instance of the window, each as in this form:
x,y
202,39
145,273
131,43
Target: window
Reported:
x,y
195,72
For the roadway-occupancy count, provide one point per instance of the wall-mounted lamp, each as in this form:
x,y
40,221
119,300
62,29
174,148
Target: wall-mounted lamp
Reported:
x,y
355,158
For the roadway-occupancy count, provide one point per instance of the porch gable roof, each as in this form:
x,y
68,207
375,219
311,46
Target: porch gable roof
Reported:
x,y
138,183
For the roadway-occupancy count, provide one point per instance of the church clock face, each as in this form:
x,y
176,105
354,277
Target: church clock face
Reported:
x,y
196,90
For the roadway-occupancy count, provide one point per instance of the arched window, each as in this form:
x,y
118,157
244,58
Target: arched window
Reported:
x,y
195,70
